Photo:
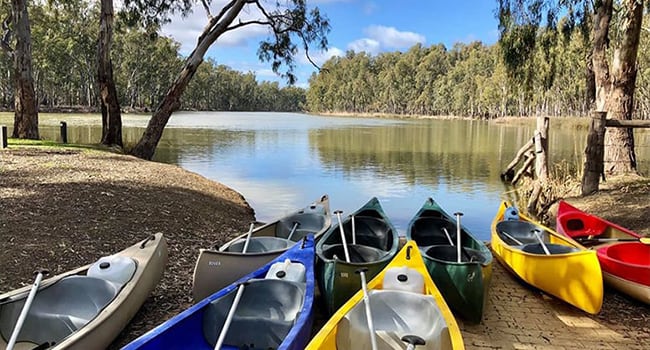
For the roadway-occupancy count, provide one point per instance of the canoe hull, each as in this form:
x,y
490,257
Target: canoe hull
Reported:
x,y
464,284
340,333
215,269
186,330
464,287
377,244
100,332
625,265
574,277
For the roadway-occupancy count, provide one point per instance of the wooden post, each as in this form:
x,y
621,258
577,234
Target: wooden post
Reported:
x,y
3,136
541,162
594,154
64,132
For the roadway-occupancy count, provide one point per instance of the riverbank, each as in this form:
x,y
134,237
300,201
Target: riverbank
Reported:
x,y
65,207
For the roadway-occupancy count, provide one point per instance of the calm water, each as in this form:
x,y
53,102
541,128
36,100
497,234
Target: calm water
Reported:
x,y
281,162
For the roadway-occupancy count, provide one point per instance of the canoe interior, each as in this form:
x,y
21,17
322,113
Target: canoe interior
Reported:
x,y
62,308
369,231
450,254
260,245
267,311
523,233
630,253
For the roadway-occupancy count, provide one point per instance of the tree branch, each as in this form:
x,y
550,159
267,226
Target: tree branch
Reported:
x,y
241,24
207,8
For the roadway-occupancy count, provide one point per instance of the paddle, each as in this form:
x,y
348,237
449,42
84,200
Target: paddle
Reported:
x,y
413,341
644,240
233,307
458,244
448,236
366,302
354,230
293,229
536,232
512,238
345,243
23,313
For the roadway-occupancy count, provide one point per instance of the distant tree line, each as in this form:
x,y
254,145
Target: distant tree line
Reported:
x,y
470,79
64,48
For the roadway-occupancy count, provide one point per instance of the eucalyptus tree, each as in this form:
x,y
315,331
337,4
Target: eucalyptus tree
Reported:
x,y
288,22
25,103
614,75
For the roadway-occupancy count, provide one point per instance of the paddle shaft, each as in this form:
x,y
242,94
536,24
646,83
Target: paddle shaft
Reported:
x,y
248,238
24,311
458,242
293,229
512,238
231,314
343,240
366,301
451,242
541,241
354,231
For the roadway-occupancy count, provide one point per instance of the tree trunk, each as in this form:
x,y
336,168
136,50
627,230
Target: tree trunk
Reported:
x,y
619,151
110,106
602,19
146,147
26,111
593,167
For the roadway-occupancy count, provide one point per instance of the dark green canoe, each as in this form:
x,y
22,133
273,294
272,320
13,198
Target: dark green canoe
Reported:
x,y
374,246
464,284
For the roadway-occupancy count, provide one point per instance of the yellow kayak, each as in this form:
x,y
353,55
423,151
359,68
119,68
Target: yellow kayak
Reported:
x,y
559,266
405,305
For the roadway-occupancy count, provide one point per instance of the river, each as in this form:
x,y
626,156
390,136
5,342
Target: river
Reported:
x,y
282,161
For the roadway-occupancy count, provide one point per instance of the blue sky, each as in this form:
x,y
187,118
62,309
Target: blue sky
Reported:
x,y
371,25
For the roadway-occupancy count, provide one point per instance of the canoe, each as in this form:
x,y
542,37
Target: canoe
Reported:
x,y
86,308
404,301
570,272
217,268
374,244
463,283
274,312
626,266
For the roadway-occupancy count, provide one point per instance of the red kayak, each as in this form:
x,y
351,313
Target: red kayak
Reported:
x,y
624,255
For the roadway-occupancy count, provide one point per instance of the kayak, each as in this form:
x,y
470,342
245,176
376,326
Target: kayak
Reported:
x,y
463,282
85,308
217,268
624,260
274,310
373,242
559,266
405,305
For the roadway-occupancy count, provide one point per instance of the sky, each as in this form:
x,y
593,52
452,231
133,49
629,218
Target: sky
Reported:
x,y
374,26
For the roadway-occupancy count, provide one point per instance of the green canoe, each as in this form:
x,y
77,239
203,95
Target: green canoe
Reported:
x,y
373,245
464,284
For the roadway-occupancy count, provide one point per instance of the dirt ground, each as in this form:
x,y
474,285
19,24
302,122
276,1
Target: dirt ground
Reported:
x,y
62,208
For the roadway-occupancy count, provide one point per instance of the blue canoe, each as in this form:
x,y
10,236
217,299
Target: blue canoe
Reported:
x,y
275,310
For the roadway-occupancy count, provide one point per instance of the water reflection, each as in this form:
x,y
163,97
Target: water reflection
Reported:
x,y
282,161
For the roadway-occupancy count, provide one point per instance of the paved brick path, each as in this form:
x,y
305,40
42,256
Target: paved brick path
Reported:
x,y
520,317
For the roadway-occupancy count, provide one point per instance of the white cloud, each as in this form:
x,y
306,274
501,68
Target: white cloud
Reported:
x,y
320,57
187,30
368,45
389,37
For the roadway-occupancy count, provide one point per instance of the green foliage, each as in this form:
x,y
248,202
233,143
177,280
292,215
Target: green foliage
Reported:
x,y
64,49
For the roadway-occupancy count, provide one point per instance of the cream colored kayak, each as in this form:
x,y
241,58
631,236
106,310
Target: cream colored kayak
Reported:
x,y
404,302
215,269
88,307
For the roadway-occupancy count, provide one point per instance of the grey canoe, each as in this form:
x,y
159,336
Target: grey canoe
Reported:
x,y
217,268
88,307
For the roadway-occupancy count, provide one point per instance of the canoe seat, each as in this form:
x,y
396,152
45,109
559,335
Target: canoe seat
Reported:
x,y
522,231
264,316
395,314
58,310
310,222
428,231
358,253
536,248
450,253
261,244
